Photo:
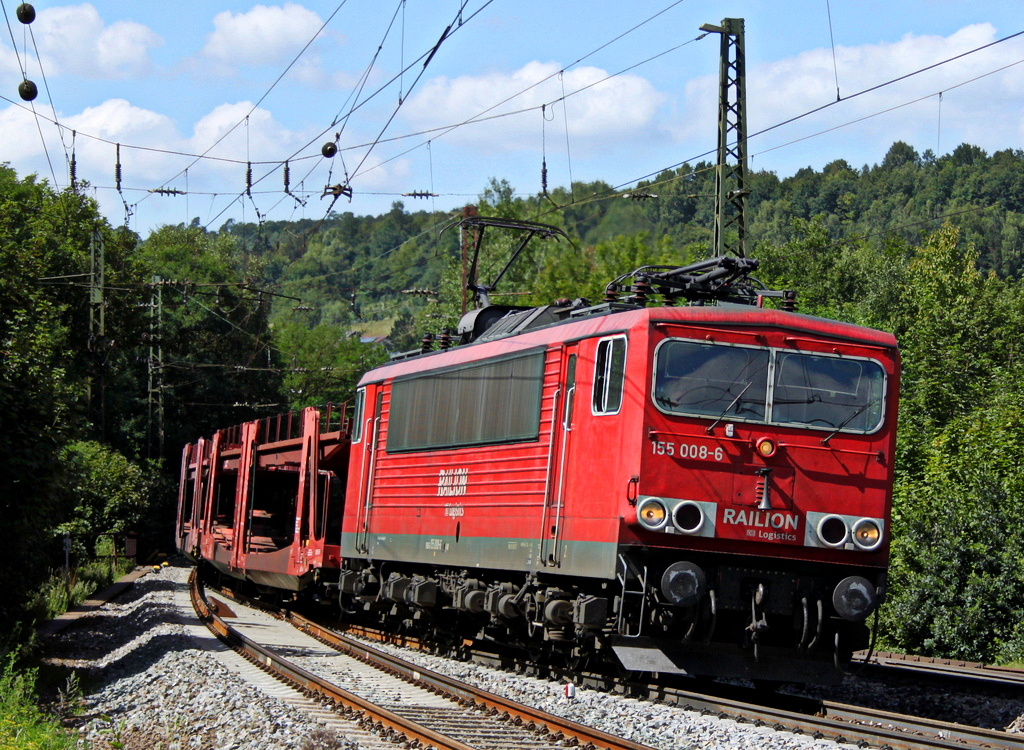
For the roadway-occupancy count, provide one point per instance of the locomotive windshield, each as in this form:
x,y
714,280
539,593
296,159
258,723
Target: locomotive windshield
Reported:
x,y
768,385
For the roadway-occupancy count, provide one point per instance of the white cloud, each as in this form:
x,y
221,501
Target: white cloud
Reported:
x,y
621,107
114,121
265,35
10,70
73,39
985,112
162,161
118,121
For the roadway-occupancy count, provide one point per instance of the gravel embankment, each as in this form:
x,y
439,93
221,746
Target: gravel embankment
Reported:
x,y
149,685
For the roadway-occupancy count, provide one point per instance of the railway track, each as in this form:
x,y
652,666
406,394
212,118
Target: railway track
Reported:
x,y
474,725
952,669
409,704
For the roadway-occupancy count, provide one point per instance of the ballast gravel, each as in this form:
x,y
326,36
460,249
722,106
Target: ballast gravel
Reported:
x,y
148,684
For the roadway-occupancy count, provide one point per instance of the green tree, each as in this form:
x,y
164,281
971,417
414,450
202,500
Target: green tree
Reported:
x,y
323,364
110,494
42,391
212,327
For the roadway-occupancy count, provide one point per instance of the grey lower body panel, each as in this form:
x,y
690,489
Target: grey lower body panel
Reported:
x,y
584,559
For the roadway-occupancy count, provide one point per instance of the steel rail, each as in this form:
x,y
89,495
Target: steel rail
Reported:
x,y
307,681
840,722
467,694
954,669
851,724
821,719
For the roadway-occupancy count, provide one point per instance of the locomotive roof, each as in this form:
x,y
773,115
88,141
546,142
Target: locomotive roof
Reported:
x,y
619,318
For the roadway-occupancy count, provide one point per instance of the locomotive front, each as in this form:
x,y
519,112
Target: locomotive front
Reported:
x,y
757,535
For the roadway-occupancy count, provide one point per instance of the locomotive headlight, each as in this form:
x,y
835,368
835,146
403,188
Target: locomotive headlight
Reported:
x,y
867,534
833,531
688,517
652,514
766,447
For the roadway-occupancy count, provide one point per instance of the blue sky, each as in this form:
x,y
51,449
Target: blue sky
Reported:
x,y
621,98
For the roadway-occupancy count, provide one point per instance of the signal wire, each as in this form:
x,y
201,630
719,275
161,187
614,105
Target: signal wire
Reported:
x,y
611,192
428,55
261,99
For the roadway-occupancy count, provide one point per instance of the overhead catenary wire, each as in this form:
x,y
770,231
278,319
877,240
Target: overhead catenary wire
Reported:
x,y
23,68
265,94
480,118
442,130
832,39
53,108
565,117
14,44
388,140
356,103
615,191
426,57
206,156
618,188
459,21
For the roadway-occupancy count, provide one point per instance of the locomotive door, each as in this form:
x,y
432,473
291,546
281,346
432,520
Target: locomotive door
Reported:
x,y
370,450
561,432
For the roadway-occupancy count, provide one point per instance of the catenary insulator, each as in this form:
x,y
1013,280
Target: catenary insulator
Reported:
x,y
26,13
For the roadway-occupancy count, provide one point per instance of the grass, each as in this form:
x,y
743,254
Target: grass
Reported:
x,y
23,726
57,596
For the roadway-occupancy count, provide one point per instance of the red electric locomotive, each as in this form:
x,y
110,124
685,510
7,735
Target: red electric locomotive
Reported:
x,y
700,488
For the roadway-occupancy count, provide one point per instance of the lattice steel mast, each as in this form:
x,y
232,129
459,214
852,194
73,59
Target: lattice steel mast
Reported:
x,y
731,172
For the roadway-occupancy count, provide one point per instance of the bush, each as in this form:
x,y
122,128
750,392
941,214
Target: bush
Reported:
x,y
56,596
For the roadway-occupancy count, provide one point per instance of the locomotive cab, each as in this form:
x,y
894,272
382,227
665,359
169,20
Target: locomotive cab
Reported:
x,y
755,541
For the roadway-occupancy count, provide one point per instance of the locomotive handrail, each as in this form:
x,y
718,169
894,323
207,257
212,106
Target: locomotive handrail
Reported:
x,y
419,504
722,438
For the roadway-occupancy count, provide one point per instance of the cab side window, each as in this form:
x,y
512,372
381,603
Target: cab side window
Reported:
x,y
609,375
357,416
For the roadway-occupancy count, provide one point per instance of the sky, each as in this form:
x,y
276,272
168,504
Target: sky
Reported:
x,y
198,93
